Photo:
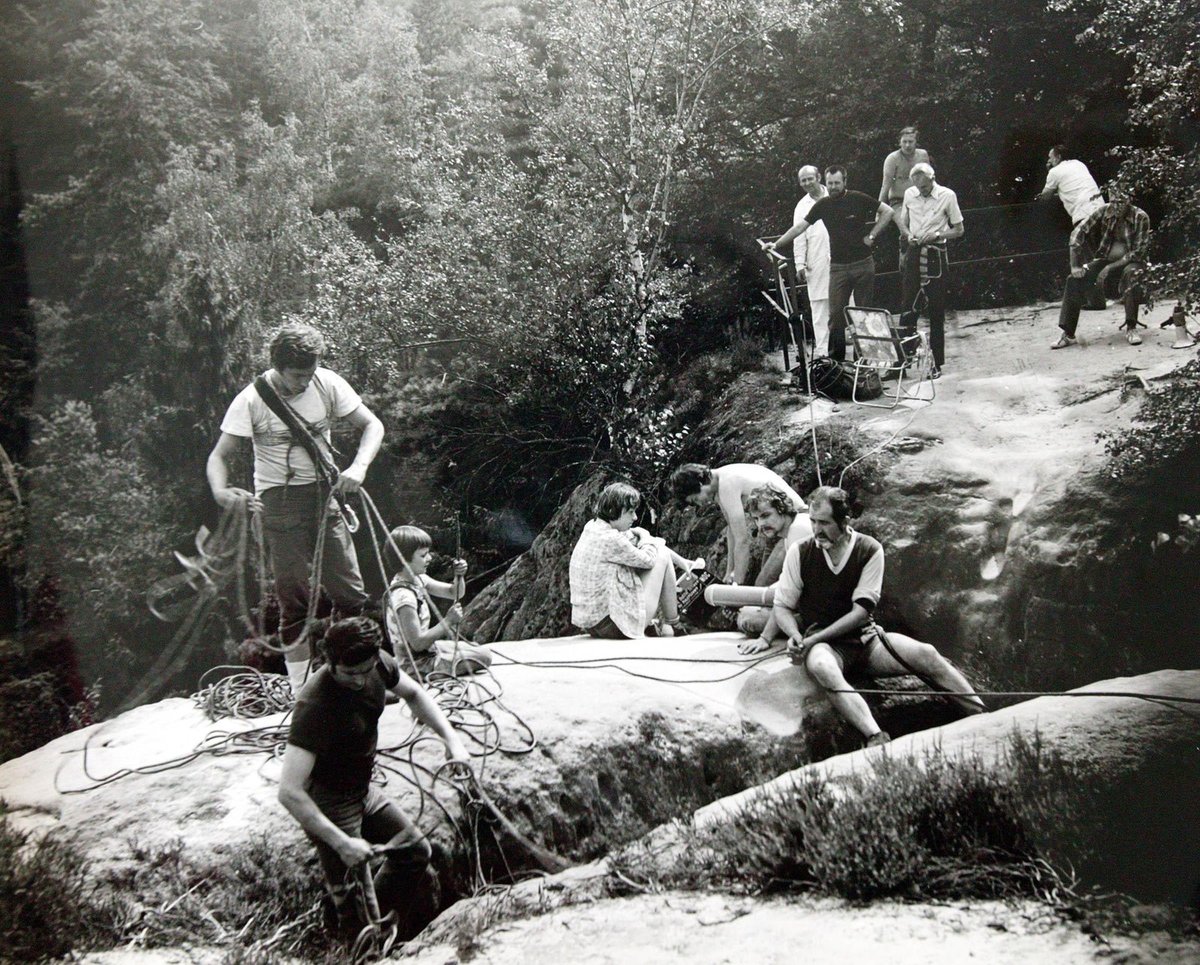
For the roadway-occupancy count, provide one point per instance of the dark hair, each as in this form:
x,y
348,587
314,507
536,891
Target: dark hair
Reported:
x,y
911,129
296,346
616,499
409,539
689,479
772,496
351,641
836,499
1061,151
836,169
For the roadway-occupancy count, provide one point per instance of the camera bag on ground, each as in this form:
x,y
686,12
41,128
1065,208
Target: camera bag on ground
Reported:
x,y
835,380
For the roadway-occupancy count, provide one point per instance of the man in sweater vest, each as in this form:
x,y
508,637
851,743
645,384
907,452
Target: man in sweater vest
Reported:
x,y
824,599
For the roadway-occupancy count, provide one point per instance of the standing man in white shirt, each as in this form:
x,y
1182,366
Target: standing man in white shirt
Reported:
x,y
293,493
1073,183
810,251
929,217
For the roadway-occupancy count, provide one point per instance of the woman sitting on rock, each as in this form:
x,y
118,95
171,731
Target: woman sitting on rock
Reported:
x,y
622,578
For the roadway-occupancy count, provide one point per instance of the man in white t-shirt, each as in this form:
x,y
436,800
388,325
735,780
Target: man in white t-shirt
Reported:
x,y
699,485
289,490
1073,183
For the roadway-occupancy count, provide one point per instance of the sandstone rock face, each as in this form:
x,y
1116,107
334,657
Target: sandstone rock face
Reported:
x,y
532,598
599,741
1143,754
679,928
1006,542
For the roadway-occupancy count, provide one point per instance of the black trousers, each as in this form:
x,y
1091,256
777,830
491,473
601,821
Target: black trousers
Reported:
x,y
935,296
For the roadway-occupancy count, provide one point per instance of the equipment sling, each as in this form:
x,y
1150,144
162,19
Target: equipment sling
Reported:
x,y
306,435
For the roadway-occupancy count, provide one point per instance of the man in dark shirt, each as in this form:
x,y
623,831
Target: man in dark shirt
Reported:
x,y
853,220
326,781
833,582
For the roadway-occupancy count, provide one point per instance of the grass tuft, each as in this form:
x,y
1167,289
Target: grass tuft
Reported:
x,y
937,828
47,907
257,902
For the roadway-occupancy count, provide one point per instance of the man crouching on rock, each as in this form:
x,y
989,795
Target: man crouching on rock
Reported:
x,y
326,781
834,580
775,517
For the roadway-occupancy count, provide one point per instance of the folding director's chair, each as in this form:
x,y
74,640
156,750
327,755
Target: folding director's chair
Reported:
x,y
880,347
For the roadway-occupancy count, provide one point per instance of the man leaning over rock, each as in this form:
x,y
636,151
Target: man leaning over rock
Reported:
x,y
698,485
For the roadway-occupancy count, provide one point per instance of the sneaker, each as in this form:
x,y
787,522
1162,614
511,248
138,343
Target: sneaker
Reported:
x,y
1064,340
680,628
878,739
935,372
1132,336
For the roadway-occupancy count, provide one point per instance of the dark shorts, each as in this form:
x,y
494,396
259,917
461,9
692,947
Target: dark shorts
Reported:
x,y
606,630
371,816
853,654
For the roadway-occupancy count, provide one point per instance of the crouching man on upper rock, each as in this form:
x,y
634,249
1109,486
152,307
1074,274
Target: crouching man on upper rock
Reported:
x,y
832,582
727,486
326,781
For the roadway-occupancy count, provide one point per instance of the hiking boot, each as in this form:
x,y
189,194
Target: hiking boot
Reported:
x,y
1064,340
878,739
1132,336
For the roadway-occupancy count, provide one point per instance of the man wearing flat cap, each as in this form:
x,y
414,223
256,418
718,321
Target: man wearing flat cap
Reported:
x,y
929,217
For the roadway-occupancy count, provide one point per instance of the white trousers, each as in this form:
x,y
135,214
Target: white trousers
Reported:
x,y
820,319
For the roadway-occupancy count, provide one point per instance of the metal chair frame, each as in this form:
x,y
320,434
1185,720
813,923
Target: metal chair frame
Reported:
x,y
784,300
880,347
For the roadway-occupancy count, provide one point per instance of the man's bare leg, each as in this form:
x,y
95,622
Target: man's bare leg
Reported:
x,y
924,657
682,563
826,669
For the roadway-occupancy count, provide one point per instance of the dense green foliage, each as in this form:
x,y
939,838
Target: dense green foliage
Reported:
x,y
514,221
1160,453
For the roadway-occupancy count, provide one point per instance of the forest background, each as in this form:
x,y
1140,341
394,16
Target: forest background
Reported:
x,y
518,224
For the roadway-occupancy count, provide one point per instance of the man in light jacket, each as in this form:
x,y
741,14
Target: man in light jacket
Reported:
x,y
811,253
